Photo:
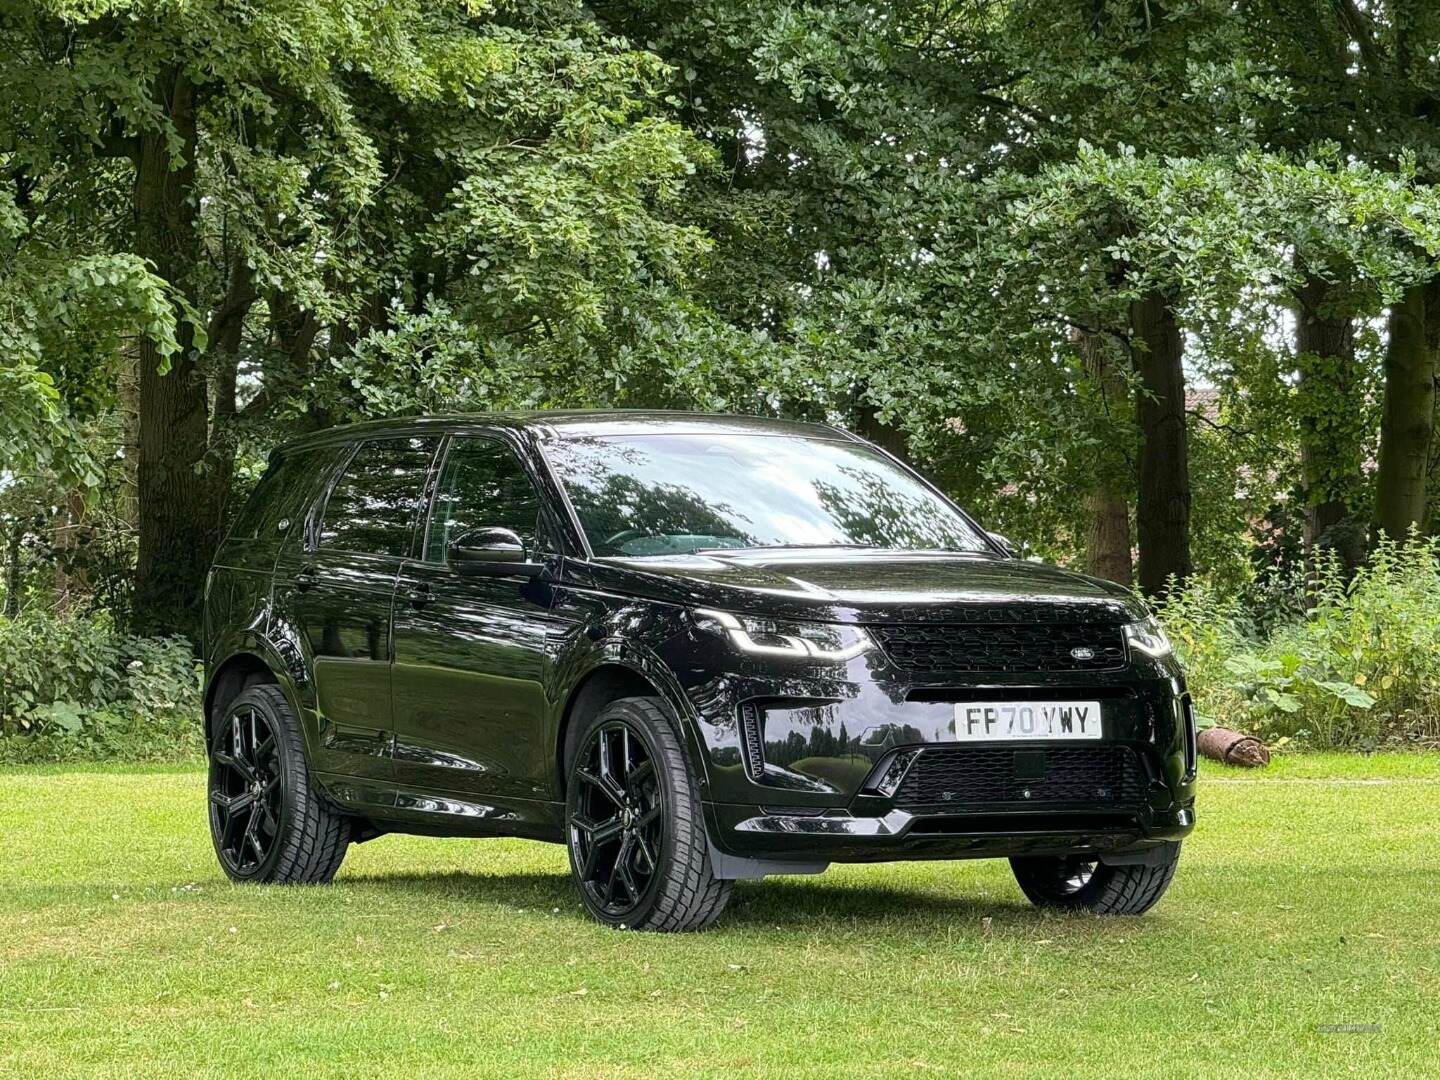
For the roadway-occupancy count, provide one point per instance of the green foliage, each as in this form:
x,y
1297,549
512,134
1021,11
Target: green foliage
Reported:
x,y
62,325
1356,669
72,688
923,221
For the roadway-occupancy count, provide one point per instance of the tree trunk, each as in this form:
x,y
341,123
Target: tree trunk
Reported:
x,y
1409,414
1107,532
179,520
12,568
226,334
70,535
128,393
1329,416
1162,508
886,436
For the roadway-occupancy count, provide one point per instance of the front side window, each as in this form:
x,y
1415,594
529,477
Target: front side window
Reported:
x,y
373,507
482,485
639,495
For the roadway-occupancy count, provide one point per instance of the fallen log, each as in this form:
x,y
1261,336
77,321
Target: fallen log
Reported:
x,y
1233,748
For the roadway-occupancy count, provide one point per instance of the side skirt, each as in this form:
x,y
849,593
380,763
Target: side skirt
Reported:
x,y
426,812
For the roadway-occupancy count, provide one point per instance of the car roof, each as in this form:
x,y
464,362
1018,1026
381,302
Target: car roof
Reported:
x,y
580,423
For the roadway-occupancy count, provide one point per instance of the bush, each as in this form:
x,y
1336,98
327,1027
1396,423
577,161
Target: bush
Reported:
x,y
1357,667
73,688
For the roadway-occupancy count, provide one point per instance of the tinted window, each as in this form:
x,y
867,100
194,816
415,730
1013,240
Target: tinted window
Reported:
x,y
375,502
481,485
283,493
664,494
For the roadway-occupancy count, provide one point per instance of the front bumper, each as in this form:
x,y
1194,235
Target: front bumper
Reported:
x,y
795,775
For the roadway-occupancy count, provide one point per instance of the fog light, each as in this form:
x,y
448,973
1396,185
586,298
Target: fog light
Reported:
x,y
889,782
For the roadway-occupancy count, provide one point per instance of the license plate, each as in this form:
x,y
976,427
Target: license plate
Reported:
x,y
1011,721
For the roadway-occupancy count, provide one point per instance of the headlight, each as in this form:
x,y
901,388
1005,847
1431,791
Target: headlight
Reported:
x,y
1148,638
768,637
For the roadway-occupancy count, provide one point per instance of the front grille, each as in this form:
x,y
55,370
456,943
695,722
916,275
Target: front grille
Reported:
x,y
1091,612
1024,647
982,774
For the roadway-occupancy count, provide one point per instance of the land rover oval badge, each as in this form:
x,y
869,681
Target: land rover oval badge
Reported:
x,y
1082,652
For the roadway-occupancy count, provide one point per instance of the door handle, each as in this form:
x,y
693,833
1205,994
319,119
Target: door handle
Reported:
x,y
305,577
420,594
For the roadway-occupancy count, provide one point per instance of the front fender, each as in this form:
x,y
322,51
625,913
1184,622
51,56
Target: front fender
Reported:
x,y
599,645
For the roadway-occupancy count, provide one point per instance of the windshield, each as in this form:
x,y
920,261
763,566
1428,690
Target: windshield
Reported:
x,y
676,494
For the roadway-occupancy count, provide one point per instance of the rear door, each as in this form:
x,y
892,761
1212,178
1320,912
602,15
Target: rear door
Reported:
x,y
337,585
470,652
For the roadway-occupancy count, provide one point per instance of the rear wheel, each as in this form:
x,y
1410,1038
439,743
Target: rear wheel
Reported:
x,y
637,841
267,820
1084,883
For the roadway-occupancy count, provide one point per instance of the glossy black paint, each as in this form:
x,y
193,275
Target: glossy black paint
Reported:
x,y
437,701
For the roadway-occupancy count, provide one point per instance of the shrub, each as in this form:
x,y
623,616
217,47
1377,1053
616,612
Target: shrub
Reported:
x,y
74,688
1356,667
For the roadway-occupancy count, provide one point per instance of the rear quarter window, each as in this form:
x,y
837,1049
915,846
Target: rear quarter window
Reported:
x,y
286,489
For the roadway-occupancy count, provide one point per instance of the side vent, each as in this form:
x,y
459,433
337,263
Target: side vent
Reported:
x,y
1187,712
752,743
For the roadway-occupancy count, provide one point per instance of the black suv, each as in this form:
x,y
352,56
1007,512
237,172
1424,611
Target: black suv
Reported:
x,y
692,648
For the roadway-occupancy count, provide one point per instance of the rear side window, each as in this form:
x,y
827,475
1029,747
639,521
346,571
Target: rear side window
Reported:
x,y
483,485
373,506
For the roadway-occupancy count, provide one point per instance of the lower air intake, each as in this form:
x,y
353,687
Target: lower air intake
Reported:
x,y
1093,775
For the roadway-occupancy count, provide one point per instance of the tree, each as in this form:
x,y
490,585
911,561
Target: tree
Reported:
x,y
1363,76
294,179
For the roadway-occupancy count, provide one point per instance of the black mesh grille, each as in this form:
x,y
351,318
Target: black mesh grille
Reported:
x,y
979,774
1002,647
1090,612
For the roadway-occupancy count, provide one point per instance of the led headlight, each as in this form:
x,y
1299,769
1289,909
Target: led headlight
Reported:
x,y
1148,638
767,637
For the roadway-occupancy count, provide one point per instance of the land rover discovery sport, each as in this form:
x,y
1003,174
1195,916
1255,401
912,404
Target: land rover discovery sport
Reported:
x,y
694,649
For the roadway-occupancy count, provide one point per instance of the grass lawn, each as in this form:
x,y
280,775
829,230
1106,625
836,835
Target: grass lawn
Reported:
x,y
1308,896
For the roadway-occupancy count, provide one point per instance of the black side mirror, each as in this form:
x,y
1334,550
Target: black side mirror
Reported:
x,y
491,552
1004,541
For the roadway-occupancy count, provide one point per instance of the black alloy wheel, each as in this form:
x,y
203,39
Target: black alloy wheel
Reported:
x,y
1086,883
617,824
634,827
1067,876
268,821
245,791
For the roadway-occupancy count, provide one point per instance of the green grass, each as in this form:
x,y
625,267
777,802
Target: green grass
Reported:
x,y
1335,765
123,951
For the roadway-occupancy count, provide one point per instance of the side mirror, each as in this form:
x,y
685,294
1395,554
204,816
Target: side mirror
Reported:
x,y
1004,541
491,552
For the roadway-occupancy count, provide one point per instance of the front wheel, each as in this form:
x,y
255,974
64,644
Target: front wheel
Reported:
x,y
634,827
267,820
1084,883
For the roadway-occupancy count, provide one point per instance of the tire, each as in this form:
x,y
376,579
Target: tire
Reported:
x,y
267,819
1083,883
635,831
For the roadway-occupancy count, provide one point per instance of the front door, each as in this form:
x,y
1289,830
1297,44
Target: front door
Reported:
x,y
336,586
470,652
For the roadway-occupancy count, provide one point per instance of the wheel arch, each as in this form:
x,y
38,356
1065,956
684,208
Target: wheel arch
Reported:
x,y
611,679
236,674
